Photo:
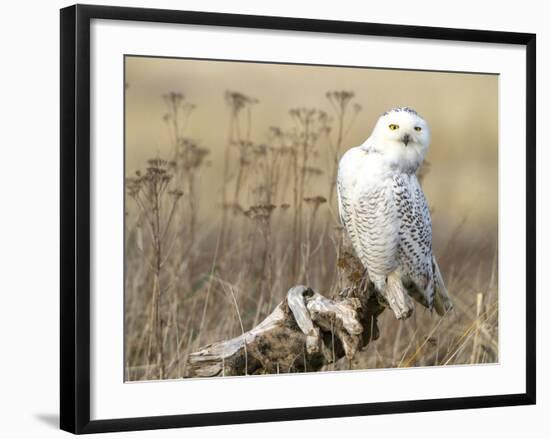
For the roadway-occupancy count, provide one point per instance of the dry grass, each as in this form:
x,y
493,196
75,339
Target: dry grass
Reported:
x,y
191,281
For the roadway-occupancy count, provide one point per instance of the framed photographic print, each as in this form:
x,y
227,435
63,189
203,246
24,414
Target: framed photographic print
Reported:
x,y
268,218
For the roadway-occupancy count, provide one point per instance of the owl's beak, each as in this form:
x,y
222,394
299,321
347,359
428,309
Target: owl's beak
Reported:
x,y
406,139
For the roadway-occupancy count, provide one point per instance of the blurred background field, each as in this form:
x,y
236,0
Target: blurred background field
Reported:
x,y
233,202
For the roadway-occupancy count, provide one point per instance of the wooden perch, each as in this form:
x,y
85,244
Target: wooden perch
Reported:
x,y
308,332
304,333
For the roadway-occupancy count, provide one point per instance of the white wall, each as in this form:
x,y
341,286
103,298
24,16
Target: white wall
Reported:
x,y
29,236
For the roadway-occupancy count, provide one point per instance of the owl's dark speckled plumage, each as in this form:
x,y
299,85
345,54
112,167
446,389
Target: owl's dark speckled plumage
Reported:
x,y
399,109
415,234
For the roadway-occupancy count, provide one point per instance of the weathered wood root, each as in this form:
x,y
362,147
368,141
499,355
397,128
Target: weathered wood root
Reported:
x,y
308,332
305,332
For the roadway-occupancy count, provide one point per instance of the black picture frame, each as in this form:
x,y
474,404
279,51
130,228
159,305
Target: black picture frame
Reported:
x,y
75,217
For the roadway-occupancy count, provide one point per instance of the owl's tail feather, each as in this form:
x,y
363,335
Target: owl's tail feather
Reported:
x,y
442,301
398,299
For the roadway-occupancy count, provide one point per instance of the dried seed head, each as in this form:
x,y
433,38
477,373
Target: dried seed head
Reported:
x,y
315,200
340,99
237,101
177,194
260,211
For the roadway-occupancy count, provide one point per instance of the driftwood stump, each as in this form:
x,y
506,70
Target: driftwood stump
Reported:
x,y
306,332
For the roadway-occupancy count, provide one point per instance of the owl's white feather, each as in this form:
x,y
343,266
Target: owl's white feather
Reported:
x,y
383,207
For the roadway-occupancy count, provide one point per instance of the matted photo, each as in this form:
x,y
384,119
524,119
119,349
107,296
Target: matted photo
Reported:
x,y
294,218
268,219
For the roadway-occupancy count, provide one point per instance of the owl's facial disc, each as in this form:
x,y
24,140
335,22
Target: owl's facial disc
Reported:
x,y
403,128
402,137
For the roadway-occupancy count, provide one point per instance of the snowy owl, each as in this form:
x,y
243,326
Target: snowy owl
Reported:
x,y
386,216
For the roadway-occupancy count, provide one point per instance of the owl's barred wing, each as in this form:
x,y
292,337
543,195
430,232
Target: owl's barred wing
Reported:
x,y
378,232
370,219
415,233
345,208
344,214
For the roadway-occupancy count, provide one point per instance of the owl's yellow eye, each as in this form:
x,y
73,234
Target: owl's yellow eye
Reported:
x,y
418,129
393,126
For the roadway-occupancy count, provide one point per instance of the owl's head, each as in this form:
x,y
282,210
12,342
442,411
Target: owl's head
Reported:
x,y
403,136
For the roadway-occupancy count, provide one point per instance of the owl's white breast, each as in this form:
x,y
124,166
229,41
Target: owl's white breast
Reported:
x,y
362,171
369,211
